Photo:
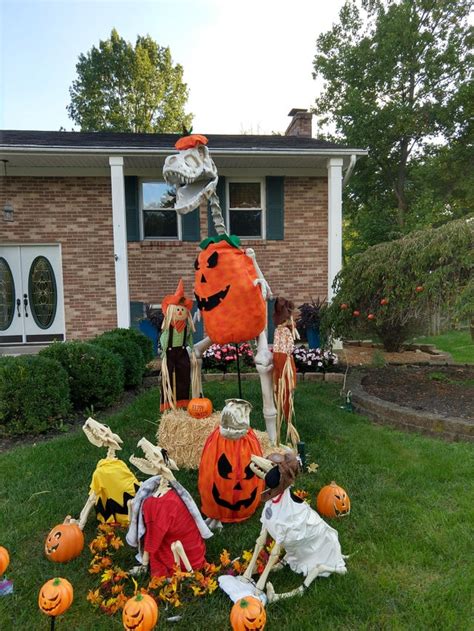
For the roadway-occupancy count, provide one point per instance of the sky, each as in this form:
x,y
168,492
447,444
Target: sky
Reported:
x,y
247,63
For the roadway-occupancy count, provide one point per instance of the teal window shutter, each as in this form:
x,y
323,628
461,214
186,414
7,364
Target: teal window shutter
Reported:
x,y
270,324
190,224
132,208
275,195
137,313
220,190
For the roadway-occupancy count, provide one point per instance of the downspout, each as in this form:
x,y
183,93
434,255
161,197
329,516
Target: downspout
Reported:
x,y
349,170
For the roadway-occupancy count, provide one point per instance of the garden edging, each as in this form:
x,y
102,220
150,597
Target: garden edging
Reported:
x,y
388,413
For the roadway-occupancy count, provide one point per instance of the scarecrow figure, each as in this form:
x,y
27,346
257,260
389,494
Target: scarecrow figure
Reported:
x,y
177,335
284,369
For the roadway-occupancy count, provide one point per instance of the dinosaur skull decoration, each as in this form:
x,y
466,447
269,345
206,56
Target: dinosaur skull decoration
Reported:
x,y
194,174
156,460
101,435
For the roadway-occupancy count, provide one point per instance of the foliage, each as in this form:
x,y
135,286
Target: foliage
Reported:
x,y
310,314
129,353
396,80
221,357
95,374
141,340
313,359
34,394
458,344
394,285
125,88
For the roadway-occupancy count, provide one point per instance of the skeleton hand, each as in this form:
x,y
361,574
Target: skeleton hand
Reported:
x,y
264,286
138,570
197,316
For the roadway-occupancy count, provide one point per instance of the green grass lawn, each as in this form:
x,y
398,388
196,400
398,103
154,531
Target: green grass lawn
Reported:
x,y
458,343
410,531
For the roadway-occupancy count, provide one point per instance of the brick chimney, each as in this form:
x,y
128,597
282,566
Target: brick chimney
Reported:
x,y
301,123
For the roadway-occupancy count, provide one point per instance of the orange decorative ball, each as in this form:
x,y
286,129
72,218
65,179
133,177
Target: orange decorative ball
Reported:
x,y
232,306
64,543
140,613
384,301
200,407
55,597
248,613
4,560
344,306
419,289
356,313
333,501
371,316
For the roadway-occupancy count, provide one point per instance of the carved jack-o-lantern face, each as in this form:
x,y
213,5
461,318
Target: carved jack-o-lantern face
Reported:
x,y
55,597
64,543
140,613
248,613
229,489
231,304
333,501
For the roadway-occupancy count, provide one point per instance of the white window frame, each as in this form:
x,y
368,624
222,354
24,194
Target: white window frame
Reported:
x,y
142,211
263,202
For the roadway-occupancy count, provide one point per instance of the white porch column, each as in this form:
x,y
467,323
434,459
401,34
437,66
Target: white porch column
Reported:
x,y
120,242
334,166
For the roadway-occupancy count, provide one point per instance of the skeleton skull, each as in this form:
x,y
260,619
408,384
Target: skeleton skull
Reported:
x,y
194,174
101,435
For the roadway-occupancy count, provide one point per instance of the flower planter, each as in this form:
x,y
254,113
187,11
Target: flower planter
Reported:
x,y
313,337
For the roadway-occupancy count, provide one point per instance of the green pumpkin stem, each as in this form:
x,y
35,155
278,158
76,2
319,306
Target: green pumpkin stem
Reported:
x,y
56,581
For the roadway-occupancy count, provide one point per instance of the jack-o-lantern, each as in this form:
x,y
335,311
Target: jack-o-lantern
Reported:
x,y
140,613
248,613
4,560
64,543
333,501
231,305
229,489
200,407
55,597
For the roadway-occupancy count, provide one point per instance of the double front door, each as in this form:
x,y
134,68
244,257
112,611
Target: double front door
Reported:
x,y
31,294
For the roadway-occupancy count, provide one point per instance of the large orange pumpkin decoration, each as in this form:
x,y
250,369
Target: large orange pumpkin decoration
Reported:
x,y
231,304
248,613
4,560
64,543
200,407
229,489
333,501
55,597
140,613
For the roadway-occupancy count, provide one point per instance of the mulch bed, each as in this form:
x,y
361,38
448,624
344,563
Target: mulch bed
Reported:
x,y
446,390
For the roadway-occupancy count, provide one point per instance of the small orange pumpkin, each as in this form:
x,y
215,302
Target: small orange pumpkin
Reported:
x,y
55,597
248,613
140,613
231,305
4,560
333,501
200,407
64,543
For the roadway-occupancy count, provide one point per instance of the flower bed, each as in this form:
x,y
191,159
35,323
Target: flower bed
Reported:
x,y
314,359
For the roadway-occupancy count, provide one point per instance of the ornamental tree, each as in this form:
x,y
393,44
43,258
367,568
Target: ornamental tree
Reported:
x,y
125,88
389,289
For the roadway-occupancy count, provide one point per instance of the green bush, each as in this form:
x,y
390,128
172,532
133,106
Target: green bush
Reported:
x,y
96,375
34,394
130,354
388,290
144,342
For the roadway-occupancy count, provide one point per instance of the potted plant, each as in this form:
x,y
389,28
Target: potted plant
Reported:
x,y
309,321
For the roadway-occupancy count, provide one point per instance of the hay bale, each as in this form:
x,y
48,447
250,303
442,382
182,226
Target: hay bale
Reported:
x,y
184,436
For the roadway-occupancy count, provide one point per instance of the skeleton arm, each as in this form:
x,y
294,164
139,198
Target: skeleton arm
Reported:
x,y
91,500
261,539
264,286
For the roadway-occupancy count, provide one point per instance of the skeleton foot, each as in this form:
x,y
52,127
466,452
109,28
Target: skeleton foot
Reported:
x,y
273,597
138,570
213,524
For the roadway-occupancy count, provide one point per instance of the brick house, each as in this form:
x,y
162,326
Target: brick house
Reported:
x,y
85,242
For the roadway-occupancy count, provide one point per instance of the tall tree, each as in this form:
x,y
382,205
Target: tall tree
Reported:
x,y
124,88
396,80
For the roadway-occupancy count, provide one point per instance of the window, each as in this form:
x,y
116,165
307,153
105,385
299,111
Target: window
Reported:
x,y
160,220
245,209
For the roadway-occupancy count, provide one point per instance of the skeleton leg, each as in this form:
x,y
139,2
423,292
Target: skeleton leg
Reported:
x,y
314,573
264,365
261,539
180,555
273,559
199,349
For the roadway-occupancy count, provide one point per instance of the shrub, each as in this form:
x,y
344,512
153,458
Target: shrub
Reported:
x,y
142,341
313,359
388,290
95,373
221,357
34,394
128,352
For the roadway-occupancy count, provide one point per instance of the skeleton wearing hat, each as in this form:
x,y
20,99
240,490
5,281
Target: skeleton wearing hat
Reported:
x,y
176,337
284,369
